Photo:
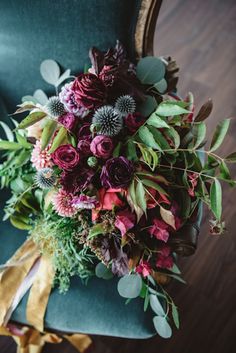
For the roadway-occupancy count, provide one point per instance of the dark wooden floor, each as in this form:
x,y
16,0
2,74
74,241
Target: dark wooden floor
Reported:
x,y
201,35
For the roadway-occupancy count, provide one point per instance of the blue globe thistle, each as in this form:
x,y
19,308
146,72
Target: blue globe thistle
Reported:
x,y
107,121
125,105
45,178
55,107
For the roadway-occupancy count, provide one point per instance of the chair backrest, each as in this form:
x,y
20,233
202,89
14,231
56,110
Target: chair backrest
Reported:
x,y
64,30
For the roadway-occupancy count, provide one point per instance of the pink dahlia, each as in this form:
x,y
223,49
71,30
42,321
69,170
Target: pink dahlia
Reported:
x,y
67,97
40,159
63,204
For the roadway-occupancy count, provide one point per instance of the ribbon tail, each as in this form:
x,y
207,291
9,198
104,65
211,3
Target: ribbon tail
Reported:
x,y
80,341
12,276
39,294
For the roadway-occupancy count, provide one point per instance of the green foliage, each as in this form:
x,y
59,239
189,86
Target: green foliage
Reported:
x,y
60,138
219,135
148,106
48,132
31,119
170,108
216,198
130,286
102,271
150,70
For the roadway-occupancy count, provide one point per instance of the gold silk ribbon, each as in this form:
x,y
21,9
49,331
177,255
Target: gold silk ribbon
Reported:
x,y
12,275
32,341
39,294
16,269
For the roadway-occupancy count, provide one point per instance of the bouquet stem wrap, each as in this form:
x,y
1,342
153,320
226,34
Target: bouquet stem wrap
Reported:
x,y
25,269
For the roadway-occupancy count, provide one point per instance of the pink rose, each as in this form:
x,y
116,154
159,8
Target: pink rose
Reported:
x,y
159,229
65,157
102,146
144,268
68,120
125,220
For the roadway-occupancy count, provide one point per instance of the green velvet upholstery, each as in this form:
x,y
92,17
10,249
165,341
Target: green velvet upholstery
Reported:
x,y
64,30
95,309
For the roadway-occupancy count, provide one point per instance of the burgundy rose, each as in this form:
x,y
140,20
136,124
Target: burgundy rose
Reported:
x,y
134,121
84,148
77,180
68,120
84,132
89,91
65,157
102,146
117,173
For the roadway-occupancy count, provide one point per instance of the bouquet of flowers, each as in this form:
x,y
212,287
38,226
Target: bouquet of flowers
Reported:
x,y
107,171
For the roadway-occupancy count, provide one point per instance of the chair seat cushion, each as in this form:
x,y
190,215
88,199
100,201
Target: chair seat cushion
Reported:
x,y
95,308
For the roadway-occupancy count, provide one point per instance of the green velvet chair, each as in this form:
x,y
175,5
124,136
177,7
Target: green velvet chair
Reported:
x,y
31,31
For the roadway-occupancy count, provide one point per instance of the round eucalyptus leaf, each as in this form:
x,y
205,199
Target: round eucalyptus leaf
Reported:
x,y
130,286
148,106
50,71
161,86
103,272
150,70
156,305
29,99
162,327
41,96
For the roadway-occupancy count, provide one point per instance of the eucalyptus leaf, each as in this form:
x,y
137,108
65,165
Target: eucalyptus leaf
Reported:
x,y
50,71
161,86
216,198
148,106
175,315
130,286
41,96
150,70
63,77
219,135
162,327
102,271
156,305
